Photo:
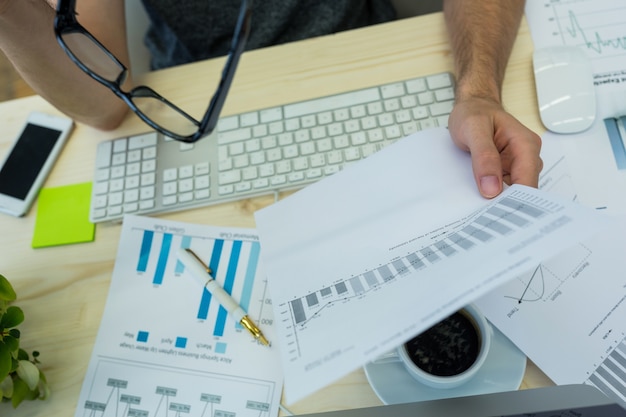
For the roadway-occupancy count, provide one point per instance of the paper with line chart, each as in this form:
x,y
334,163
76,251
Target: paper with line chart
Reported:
x,y
598,154
364,260
596,27
165,347
567,313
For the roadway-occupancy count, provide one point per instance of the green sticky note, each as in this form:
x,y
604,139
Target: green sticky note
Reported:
x,y
63,216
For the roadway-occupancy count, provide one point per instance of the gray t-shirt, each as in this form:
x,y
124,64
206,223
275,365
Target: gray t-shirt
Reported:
x,y
190,30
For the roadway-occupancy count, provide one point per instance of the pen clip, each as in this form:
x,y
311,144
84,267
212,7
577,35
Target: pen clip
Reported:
x,y
206,267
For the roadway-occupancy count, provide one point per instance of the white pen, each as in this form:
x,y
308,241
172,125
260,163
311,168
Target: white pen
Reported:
x,y
202,273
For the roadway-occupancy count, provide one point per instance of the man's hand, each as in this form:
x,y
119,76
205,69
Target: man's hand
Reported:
x,y
502,149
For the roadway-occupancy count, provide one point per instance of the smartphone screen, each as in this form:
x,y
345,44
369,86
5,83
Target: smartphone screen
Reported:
x,y
27,159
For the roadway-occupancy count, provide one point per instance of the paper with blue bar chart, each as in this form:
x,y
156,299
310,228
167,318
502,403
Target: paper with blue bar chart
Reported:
x,y
362,261
165,346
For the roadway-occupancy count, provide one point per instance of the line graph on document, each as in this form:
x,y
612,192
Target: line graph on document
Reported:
x,y
595,25
546,281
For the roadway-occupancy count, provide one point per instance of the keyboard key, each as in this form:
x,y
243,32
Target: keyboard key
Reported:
x,y
439,81
202,168
438,109
392,90
249,119
229,177
170,174
228,123
170,188
271,115
119,145
201,182
142,141
415,86
185,171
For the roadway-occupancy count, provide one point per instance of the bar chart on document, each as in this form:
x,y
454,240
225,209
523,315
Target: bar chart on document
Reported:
x,y
165,347
504,217
597,26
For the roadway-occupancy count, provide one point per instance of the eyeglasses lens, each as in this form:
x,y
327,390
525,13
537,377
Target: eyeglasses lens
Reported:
x,y
163,115
92,56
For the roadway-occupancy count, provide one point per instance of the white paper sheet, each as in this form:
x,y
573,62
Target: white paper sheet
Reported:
x,y
568,313
362,261
165,347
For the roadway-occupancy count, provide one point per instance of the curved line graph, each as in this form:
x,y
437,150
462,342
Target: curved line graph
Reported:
x,y
596,42
548,279
537,279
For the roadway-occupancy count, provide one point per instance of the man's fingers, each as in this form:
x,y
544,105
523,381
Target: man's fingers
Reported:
x,y
486,165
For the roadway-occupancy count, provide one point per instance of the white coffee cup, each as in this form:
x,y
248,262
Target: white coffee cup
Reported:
x,y
458,362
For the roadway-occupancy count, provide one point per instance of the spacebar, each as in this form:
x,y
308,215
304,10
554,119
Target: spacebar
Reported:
x,y
331,102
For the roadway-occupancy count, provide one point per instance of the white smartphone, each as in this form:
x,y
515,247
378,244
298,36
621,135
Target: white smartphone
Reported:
x,y
29,161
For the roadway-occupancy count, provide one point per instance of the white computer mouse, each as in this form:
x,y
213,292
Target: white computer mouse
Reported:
x,y
565,90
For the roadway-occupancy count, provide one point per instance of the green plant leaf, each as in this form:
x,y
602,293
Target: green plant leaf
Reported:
x,y
6,387
13,344
29,374
12,317
6,290
20,391
6,361
22,355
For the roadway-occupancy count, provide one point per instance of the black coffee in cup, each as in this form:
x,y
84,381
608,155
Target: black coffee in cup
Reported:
x,y
448,348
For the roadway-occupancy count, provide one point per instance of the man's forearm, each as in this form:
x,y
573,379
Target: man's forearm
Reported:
x,y
27,39
482,33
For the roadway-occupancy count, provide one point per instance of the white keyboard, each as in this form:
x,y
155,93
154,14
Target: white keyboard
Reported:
x,y
264,151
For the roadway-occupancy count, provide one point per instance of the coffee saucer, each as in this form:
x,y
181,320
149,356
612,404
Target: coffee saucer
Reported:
x,y
503,370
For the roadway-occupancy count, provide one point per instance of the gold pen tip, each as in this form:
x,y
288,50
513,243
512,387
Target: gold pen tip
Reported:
x,y
254,330
264,341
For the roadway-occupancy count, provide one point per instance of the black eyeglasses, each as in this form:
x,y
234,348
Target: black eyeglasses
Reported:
x,y
159,113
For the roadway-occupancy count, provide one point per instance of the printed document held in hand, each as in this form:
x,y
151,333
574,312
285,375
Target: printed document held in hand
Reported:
x,y
364,260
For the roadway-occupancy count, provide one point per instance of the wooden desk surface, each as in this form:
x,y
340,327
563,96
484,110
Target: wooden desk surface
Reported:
x,y
63,289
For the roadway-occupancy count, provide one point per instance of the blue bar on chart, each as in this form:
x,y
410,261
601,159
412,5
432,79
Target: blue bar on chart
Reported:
x,y
181,342
184,244
615,139
144,252
248,281
205,302
164,254
220,347
229,282
325,292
